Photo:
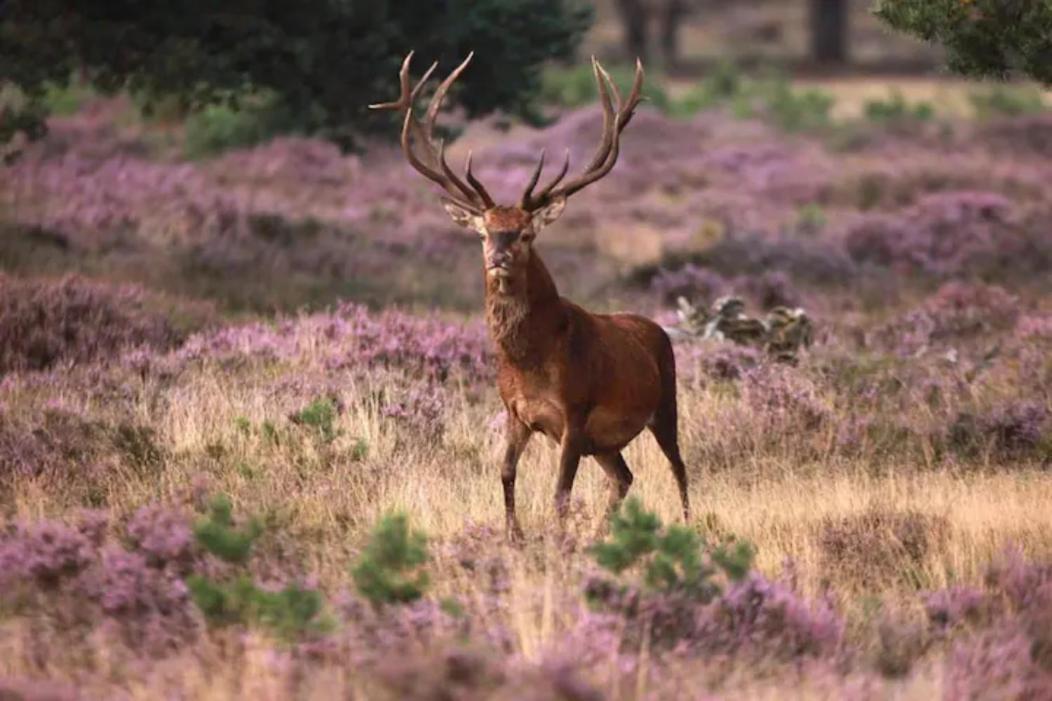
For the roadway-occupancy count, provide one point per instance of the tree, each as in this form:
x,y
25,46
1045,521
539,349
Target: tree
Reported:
x,y
829,30
636,19
320,60
984,38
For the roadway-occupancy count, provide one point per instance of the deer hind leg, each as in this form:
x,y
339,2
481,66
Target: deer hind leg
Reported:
x,y
665,430
517,435
620,476
571,448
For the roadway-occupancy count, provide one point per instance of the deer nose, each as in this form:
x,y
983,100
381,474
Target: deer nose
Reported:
x,y
499,259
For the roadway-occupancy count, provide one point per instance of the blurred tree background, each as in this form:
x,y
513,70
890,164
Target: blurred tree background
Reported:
x,y
242,71
985,38
314,63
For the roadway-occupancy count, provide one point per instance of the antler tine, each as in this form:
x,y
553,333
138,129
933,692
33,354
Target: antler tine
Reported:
x,y
429,161
443,180
614,121
440,93
406,97
474,182
542,196
451,175
527,194
609,116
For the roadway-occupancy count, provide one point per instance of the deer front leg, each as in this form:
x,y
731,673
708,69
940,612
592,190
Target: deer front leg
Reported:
x,y
517,435
571,448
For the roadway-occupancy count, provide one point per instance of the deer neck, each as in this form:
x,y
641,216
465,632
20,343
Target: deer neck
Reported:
x,y
523,321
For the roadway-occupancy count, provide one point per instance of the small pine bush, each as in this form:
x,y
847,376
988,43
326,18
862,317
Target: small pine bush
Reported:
x,y
288,613
389,569
217,535
672,559
319,415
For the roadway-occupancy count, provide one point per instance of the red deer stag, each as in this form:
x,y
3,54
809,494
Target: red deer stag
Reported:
x,y
590,382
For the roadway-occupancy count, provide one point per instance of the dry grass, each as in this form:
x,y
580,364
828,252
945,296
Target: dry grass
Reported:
x,y
785,506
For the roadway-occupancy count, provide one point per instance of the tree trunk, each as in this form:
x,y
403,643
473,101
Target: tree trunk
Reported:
x,y
634,20
829,31
672,12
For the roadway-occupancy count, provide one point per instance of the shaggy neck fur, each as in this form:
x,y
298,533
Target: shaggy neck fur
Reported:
x,y
524,318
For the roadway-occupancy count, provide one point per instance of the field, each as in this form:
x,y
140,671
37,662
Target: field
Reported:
x,y
296,334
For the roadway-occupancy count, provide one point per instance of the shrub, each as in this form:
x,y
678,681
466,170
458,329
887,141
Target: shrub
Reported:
x,y
1007,101
952,233
389,570
576,87
669,559
319,415
1011,430
879,546
45,323
772,97
895,110
216,532
220,128
288,613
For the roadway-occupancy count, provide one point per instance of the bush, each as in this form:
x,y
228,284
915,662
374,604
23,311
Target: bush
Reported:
x,y
288,613
45,323
219,128
1007,101
389,570
895,110
772,97
879,546
575,87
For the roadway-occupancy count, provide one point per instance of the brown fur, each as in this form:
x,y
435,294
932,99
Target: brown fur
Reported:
x,y
591,382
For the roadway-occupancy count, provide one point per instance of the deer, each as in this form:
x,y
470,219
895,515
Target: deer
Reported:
x,y
589,382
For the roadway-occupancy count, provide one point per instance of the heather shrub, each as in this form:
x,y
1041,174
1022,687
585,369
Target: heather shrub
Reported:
x,y
71,321
952,233
1011,430
390,568
73,577
881,547
762,619
957,312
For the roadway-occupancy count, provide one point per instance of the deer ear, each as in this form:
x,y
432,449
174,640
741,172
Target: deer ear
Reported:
x,y
462,216
548,213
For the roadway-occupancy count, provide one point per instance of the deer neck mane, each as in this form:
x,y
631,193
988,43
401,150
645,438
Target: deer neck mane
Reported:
x,y
522,321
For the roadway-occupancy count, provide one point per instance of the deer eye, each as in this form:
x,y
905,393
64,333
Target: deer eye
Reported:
x,y
527,236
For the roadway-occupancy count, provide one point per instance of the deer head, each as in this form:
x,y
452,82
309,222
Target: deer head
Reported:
x,y
507,231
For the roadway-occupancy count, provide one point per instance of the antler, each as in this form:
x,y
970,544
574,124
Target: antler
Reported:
x,y
419,146
614,122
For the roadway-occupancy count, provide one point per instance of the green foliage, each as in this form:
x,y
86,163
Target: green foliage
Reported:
x,y
287,613
389,570
219,128
217,534
771,96
896,110
575,87
322,61
64,100
990,38
669,559
319,415
1007,101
